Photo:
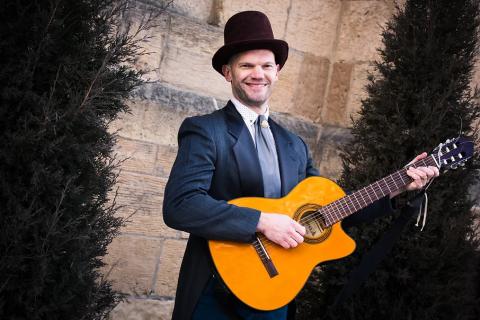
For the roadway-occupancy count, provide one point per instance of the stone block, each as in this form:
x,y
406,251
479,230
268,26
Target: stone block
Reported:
x,y
142,309
163,109
150,122
169,268
187,59
310,92
161,124
153,40
175,99
140,198
129,125
307,130
360,30
328,150
277,12
301,86
335,111
312,26
288,78
136,156
199,10
131,263
358,90
164,160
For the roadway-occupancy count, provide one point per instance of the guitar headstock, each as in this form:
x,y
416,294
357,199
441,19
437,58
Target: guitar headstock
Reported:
x,y
453,153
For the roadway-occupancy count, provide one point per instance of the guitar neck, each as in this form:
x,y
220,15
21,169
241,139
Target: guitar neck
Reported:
x,y
343,207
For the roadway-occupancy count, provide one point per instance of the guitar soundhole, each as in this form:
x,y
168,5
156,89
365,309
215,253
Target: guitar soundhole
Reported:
x,y
308,216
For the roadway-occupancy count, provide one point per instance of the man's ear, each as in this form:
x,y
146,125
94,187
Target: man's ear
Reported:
x,y
227,72
278,70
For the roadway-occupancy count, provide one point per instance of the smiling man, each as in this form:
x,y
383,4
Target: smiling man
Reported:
x,y
252,74
239,151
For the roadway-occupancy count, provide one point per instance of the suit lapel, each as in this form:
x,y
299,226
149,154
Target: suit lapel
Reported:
x,y
286,157
250,173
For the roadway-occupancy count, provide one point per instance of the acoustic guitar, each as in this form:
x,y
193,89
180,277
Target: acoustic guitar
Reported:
x,y
266,276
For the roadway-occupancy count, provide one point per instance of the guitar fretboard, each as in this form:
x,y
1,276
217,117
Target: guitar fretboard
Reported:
x,y
343,207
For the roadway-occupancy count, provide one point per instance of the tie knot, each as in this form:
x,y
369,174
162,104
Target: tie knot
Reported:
x,y
262,121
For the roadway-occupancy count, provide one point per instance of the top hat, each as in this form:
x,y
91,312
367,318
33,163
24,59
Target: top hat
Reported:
x,y
249,30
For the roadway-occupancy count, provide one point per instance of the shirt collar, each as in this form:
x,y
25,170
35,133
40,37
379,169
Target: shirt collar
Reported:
x,y
248,115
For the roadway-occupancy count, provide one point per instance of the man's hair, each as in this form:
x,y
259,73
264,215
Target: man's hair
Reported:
x,y
232,58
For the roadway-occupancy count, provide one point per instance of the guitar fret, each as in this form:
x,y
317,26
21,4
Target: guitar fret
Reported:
x,y
393,180
361,196
403,181
368,194
354,198
337,216
386,185
327,217
373,189
370,198
380,189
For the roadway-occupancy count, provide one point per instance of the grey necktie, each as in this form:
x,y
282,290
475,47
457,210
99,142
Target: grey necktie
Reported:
x,y
267,154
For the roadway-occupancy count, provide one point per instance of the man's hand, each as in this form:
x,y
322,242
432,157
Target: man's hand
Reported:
x,y
281,229
421,176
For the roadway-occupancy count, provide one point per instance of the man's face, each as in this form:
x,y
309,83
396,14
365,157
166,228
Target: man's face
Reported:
x,y
252,74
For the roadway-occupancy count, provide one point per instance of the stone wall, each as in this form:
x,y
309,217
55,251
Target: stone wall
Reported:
x,y
332,43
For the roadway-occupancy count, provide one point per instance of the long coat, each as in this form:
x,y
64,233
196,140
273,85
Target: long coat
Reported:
x,y
217,162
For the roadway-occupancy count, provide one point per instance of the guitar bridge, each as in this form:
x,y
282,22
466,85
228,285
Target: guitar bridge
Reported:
x,y
265,257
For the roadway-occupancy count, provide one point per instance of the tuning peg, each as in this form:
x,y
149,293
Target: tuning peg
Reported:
x,y
447,149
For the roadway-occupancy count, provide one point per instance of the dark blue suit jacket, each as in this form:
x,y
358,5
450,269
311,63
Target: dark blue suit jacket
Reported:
x,y
217,162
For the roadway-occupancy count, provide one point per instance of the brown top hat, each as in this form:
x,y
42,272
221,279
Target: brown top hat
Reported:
x,y
245,31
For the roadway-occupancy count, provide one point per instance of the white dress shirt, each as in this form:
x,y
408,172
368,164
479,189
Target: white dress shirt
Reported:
x,y
248,115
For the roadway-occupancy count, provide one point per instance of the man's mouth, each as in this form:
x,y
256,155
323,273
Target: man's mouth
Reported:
x,y
257,85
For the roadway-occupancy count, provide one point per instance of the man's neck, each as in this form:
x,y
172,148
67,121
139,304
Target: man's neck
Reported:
x,y
257,109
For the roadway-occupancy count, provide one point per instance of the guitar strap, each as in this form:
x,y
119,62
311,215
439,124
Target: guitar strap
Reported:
x,y
377,253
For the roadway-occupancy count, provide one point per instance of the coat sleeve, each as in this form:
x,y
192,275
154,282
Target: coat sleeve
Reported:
x,y
187,205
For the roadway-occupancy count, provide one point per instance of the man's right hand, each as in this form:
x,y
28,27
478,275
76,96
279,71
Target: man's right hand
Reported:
x,y
281,229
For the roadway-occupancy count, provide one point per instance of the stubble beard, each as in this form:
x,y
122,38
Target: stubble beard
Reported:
x,y
252,100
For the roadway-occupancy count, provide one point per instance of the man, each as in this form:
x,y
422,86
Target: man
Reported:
x,y
240,151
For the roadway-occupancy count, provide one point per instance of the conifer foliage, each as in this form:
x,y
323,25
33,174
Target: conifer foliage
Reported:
x,y
420,96
65,74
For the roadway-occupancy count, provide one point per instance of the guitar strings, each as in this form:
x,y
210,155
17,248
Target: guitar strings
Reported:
x,y
340,208
331,212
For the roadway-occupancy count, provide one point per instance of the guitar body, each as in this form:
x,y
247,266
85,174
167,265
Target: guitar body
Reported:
x,y
252,281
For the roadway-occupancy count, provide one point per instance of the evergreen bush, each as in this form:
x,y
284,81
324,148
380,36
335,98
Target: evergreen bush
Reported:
x,y
419,96
66,72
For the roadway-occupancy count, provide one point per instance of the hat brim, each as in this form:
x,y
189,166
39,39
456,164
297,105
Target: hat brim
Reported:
x,y
278,47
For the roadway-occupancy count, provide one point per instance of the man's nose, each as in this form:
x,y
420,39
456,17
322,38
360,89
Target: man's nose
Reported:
x,y
257,72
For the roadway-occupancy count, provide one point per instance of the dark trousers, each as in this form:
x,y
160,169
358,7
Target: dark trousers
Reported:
x,y
216,303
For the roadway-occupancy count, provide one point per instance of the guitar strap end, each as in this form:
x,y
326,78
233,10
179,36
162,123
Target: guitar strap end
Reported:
x,y
423,206
422,211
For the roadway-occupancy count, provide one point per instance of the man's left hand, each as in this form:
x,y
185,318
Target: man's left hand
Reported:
x,y
421,176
